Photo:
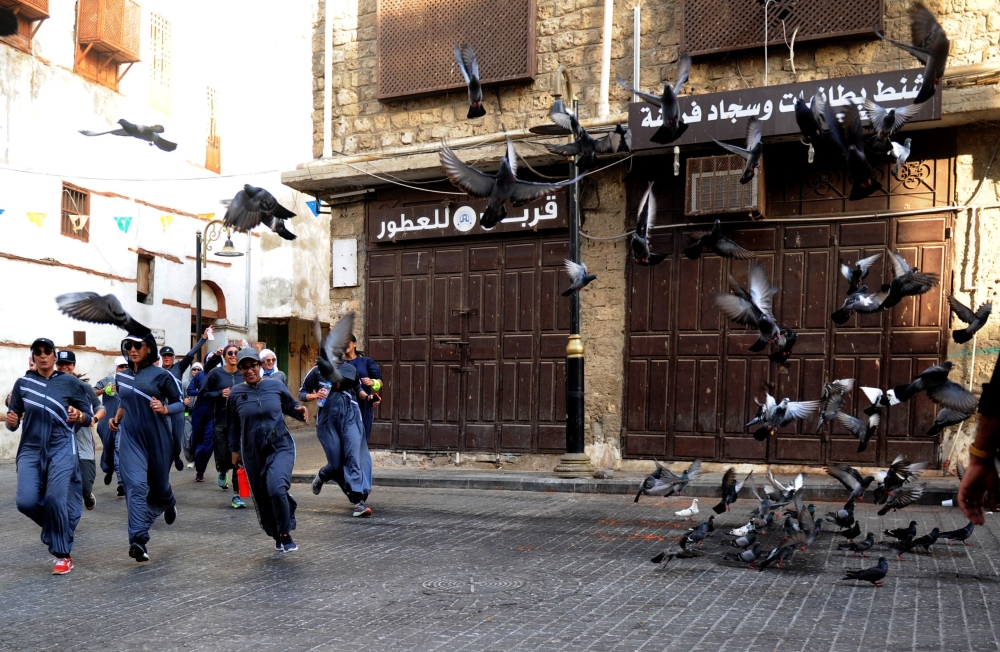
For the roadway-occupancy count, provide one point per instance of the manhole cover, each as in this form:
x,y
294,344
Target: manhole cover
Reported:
x,y
472,584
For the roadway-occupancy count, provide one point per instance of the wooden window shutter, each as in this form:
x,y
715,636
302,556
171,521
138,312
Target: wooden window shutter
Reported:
x,y
161,66
213,145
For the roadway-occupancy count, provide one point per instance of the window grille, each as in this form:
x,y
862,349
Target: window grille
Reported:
x,y
144,279
713,187
75,213
161,65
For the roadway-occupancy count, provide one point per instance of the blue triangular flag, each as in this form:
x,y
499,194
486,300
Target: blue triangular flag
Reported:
x,y
123,223
1,211
314,207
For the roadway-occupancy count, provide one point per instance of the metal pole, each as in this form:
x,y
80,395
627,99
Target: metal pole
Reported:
x,y
197,276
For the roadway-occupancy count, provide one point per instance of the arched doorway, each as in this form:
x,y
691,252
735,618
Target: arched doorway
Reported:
x,y
213,306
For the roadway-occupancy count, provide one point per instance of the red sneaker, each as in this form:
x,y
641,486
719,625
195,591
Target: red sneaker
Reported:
x,y
62,566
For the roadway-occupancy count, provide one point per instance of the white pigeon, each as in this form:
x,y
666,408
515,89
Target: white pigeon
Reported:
x,y
743,531
690,511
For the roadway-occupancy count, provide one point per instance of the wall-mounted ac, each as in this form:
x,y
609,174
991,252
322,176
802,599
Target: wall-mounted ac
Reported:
x,y
712,187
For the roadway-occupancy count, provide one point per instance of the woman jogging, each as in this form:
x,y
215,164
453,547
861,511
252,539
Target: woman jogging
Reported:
x,y
218,384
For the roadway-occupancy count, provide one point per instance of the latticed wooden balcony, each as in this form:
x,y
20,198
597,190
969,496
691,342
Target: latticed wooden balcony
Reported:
x,y
30,10
110,26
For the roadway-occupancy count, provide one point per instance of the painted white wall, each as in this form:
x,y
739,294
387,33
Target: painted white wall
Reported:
x,y
258,56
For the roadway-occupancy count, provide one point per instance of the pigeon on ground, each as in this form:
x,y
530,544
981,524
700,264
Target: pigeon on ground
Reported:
x,y
646,220
903,532
765,505
752,308
97,309
713,241
150,134
676,551
331,349
748,556
864,431
751,154
901,497
730,490
743,530
832,400
899,473
843,517
500,188
860,546
860,301
673,124
944,392
886,122
946,417
8,22
578,276
253,206
875,574
585,146
851,533
959,535
698,534
849,139
778,415
809,118
879,399
858,272
779,555
788,528
906,282
781,355
851,479
469,67
975,320
762,524
930,46
742,542
927,540
689,511
680,482
900,152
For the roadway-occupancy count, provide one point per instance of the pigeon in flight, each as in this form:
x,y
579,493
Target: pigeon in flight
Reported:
x,y
860,429
975,320
654,484
8,22
680,482
639,241
578,276
860,301
849,139
851,479
97,309
858,271
150,134
751,154
778,415
331,349
673,126
944,392
620,139
500,188
730,490
899,473
903,532
886,122
469,67
900,152
947,417
959,535
906,282
787,491
586,147
713,241
879,399
832,400
809,118
875,574
748,556
851,533
752,308
859,546
930,47
688,512
901,497
253,206
781,355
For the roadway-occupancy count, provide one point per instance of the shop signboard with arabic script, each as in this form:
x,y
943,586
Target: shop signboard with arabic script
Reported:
x,y
724,115
462,218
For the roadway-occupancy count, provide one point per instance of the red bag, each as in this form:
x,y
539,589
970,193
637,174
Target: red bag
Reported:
x,y
244,482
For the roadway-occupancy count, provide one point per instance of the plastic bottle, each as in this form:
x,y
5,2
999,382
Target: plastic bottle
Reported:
x,y
326,386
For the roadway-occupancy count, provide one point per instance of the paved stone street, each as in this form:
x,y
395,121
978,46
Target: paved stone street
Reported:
x,y
475,570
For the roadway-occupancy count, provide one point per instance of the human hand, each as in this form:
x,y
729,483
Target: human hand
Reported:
x,y
113,424
978,491
322,393
72,415
236,458
187,400
12,420
368,382
225,392
157,406
304,412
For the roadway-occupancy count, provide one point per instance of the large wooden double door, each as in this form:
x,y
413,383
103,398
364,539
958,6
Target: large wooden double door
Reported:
x,y
471,339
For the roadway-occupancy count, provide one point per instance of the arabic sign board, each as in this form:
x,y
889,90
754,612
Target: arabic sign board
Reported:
x,y
462,218
724,115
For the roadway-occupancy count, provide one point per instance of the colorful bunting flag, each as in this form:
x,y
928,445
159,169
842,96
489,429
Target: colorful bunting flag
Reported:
x,y
314,207
1,211
37,218
205,216
123,223
78,222
166,221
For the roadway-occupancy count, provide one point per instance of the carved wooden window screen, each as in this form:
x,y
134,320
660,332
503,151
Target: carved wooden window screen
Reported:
x,y
713,187
30,16
729,25
416,39
161,67
75,213
213,144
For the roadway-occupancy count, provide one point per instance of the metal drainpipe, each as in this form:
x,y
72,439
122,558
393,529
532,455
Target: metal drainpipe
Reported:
x,y
328,78
603,108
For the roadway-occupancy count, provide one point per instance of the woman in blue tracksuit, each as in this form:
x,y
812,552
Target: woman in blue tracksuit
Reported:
x,y
202,425
146,446
215,391
44,402
260,440
341,433
109,397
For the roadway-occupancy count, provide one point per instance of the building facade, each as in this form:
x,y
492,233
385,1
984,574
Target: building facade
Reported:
x,y
469,326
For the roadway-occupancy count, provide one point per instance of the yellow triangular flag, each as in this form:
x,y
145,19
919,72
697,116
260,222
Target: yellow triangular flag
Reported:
x,y
166,221
37,218
206,216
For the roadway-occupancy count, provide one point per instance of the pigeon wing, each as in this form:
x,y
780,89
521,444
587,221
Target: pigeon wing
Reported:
x,y
469,61
683,71
240,215
984,311
567,121
335,344
753,133
576,271
735,309
566,149
876,114
866,263
874,394
906,496
856,427
964,312
801,409
760,288
97,309
734,149
904,114
729,478
729,249
114,132
461,65
899,266
649,97
525,191
925,31
694,468
163,144
465,177
646,219
952,395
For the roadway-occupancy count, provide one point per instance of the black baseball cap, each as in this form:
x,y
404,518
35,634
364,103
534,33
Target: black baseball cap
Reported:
x,y
66,357
43,340
166,350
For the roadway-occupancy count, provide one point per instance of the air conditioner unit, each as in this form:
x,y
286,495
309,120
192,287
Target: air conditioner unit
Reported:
x,y
713,187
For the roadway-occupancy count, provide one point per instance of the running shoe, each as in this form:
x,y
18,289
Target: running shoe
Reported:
x,y
121,491
108,476
137,551
223,481
361,509
178,464
317,485
287,545
199,478
277,545
170,515
90,501
238,502
62,566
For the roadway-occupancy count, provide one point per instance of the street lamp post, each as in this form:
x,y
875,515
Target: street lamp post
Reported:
x,y
213,233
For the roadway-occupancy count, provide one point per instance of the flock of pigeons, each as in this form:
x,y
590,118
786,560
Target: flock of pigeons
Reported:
x,y
894,490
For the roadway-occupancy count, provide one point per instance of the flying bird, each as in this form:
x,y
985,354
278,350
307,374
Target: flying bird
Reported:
x,y
834,394
879,399
947,417
851,533
851,479
469,67
930,47
654,484
752,308
899,473
778,415
901,497
860,301
620,139
97,309
787,491
730,490
959,535
646,220
751,154
680,482
585,146
673,124
689,511
975,320
886,122
944,392
809,118
713,241
858,271
781,355
150,134
578,276
906,282
253,206
331,349
500,188
849,138
8,22
860,429
859,546
875,574
900,152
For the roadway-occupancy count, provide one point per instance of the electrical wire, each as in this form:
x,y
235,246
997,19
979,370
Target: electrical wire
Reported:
x,y
86,178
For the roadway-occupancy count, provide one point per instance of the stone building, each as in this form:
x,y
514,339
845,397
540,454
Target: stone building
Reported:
x,y
469,325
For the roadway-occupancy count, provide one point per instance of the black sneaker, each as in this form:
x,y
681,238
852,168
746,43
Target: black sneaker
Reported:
x,y
277,545
361,509
170,515
178,464
90,501
317,485
137,551
287,545
107,477
121,491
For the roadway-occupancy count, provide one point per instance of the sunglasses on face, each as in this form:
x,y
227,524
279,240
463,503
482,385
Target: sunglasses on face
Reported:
x,y
42,350
129,345
249,365
229,353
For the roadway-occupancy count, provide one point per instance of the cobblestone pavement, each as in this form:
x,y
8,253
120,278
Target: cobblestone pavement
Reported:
x,y
476,570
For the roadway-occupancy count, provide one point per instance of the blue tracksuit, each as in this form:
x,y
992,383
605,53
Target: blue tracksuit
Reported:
x,y
49,488
111,403
146,446
177,371
341,433
202,437
258,433
367,368
211,392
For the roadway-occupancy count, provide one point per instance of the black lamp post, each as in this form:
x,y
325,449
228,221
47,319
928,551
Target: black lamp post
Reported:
x,y
213,232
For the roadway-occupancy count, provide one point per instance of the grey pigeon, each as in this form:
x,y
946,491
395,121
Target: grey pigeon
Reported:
x,y
698,534
779,555
748,556
944,392
899,473
843,517
150,134
809,119
752,308
730,490
620,139
834,394
851,479
469,67
778,415
585,146
654,484
959,535
253,206
332,348
645,221
860,301
947,417
975,320
751,153
906,282
904,532
676,551
886,122
851,533
500,188
864,431
875,574
743,542
97,309
858,271
578,276
930,47
879,399
860,546
849,139
900,152
900,498
673,124
713,241
680,482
